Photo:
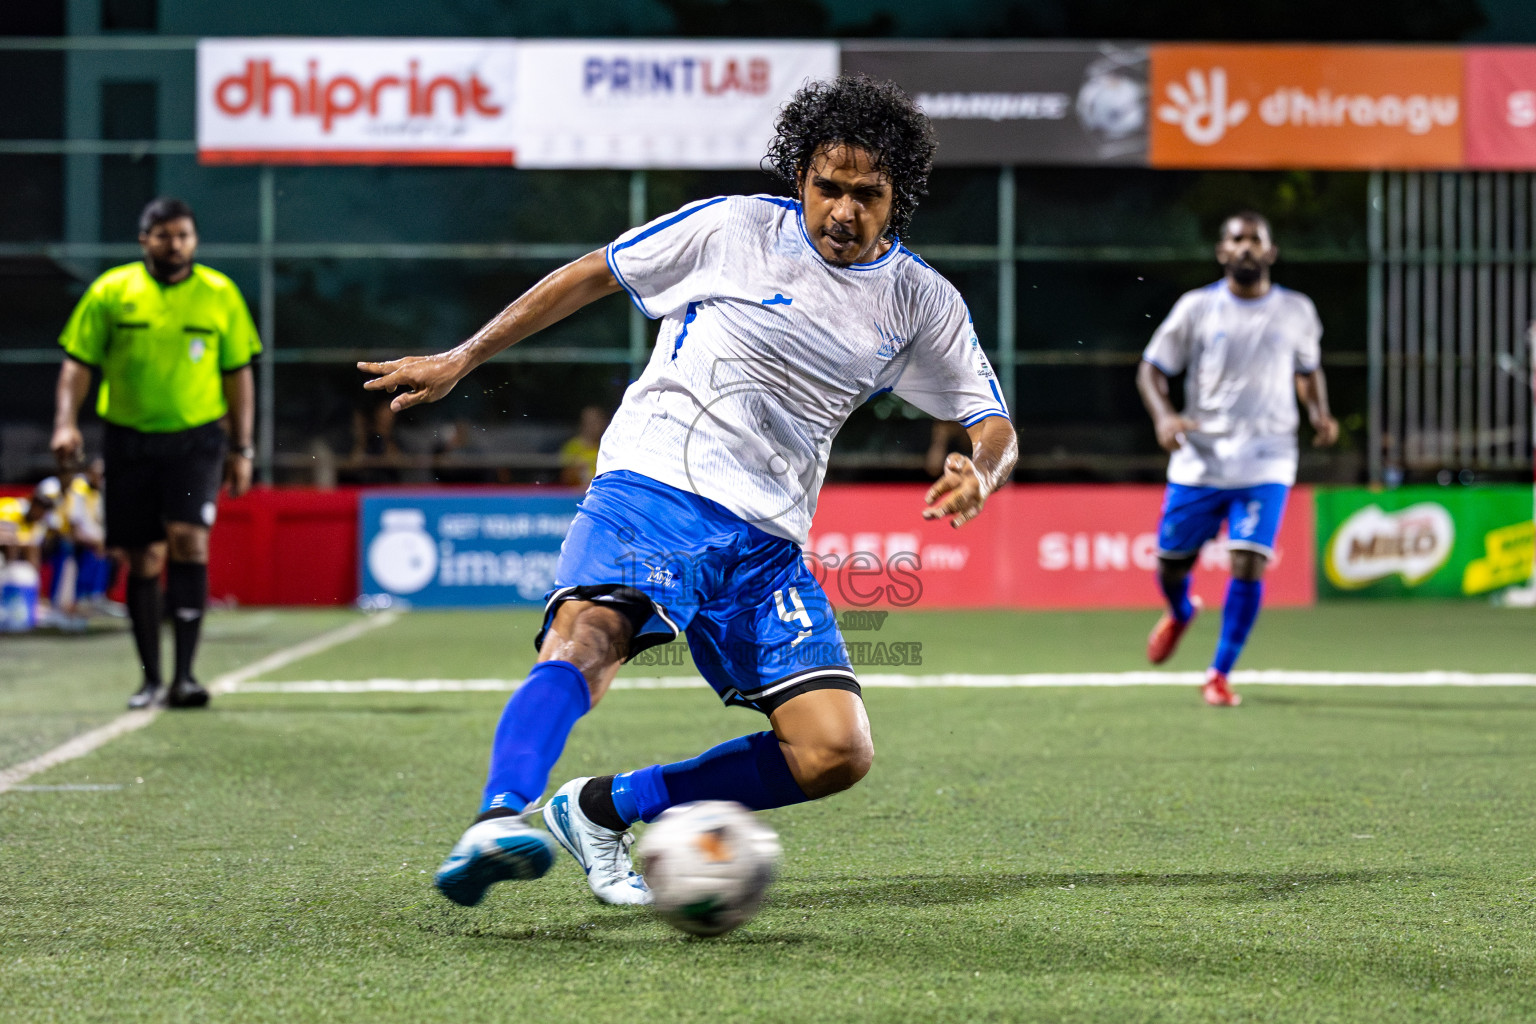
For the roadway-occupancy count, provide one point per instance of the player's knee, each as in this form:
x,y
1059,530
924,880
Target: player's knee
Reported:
x,y
1248,565
590,629
1174,569
832,766
186,542
592,637
147,561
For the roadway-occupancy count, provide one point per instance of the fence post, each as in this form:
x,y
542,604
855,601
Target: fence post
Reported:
x,y
637,331
1007,284
266,401
1375,213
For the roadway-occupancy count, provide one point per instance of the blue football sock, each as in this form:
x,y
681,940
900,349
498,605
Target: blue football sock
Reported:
x,y
532,733
1176,593
748,769
1237,617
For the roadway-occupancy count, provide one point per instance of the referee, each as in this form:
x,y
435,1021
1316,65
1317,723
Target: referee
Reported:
x,y
173,342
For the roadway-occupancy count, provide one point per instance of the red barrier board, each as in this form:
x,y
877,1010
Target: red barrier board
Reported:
x,y
1501,108
1035,546
1083,546
1096,546
869,545
285,547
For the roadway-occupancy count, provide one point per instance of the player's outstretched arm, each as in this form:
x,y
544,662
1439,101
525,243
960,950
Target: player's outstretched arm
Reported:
x,y
428,378
1312,389
1166,421
962,490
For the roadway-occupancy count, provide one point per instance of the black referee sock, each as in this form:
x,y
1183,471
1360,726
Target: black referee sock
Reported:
x,y
596,802
144,614
186,588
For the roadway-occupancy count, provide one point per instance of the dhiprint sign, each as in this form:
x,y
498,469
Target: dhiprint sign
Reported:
x,y
437,101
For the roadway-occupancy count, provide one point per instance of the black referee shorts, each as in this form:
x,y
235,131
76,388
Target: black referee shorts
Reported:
x,y
153,479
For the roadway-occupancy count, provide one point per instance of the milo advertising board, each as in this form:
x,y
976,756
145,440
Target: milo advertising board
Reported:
x,y
1423,541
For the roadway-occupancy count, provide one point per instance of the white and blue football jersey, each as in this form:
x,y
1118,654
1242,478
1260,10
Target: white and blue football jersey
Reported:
x,y
1241,358
766,349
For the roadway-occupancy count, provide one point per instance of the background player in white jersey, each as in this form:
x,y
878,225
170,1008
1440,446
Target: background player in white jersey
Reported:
x,y
780,317
1243,345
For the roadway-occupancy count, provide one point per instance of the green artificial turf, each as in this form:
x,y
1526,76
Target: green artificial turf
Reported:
x,y
1338,854
55,686
1361,636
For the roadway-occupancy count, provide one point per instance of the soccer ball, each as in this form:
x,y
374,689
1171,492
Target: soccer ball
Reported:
x,y
708,865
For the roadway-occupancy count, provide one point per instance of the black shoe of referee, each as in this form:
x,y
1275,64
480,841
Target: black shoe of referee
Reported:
x,y
147,697
187,693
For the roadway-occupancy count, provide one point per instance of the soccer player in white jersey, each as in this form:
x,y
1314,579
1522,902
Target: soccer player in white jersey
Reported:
x,y
1243,345
779,318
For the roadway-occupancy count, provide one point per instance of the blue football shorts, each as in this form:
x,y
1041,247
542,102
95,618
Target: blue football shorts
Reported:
x,y
759,627
1193,515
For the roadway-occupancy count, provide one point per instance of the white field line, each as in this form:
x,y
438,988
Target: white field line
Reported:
x,y
77,747
11,778
229,681
1273,677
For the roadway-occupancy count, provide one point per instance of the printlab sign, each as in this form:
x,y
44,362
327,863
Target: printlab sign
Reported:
x,y
533,103
454,552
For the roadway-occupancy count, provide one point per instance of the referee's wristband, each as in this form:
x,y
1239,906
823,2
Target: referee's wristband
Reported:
x,y
247,453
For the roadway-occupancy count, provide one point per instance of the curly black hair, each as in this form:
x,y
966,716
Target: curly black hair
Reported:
x,y
857,110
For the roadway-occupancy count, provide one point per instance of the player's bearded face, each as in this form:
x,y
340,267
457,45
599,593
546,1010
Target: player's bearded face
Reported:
x,y
847,204
169,246
1245,251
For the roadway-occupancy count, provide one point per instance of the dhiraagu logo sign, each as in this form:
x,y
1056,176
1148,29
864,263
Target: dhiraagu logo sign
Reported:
x,y
457,551
1424,541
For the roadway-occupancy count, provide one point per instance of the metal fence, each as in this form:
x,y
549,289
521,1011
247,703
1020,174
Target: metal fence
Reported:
x,y
1448,262
1452,281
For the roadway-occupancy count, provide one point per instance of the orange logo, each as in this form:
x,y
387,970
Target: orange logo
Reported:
x,y
714,846
1306,106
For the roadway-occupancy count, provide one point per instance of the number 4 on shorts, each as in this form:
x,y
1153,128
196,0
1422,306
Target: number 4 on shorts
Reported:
x,y
794,610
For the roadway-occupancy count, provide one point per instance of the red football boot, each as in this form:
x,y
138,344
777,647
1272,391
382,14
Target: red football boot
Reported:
x,y
1216,691
1164,638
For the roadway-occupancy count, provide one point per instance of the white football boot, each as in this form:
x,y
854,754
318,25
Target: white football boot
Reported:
x,y
602,853
495,850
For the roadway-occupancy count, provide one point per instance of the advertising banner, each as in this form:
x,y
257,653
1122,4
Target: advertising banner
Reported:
x,y
461,550
403,101
1306,106
1046,546
638,103
870,547
1501,108
1021,103
552,104
1423,541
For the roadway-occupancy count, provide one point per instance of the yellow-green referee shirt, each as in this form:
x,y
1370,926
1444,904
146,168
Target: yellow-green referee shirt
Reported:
x,y
162,348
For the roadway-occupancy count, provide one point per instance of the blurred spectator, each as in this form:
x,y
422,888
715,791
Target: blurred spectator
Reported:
x,y
578,456
450,441
77,551
24,523
375,450
947,437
